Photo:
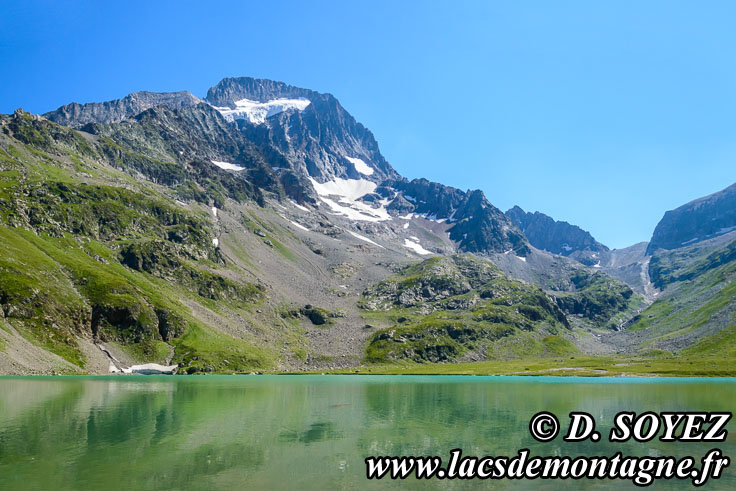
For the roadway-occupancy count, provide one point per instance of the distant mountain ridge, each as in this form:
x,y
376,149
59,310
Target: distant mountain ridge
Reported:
x,y
77,115
557,237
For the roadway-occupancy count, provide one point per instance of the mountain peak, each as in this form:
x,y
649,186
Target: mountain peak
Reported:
x,y
554,236
232,89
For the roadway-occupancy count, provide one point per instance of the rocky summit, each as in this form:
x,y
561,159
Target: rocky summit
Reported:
x,y
696,221
562,238
259,228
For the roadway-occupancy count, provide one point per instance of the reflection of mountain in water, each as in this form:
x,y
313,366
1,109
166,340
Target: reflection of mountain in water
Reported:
x,y
302,432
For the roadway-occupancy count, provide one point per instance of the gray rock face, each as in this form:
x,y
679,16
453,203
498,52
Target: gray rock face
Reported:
x,y
195,136
430,198
696,221
477,225
230,90
556,237
481,227
77,115
318,141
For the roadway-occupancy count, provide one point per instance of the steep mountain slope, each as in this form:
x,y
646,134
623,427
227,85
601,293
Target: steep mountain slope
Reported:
x,y
198,134
630,265
313,131
698,220
70,225
556,237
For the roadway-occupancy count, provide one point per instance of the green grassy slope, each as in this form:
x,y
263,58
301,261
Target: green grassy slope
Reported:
x,y
448,307
89,253
696,313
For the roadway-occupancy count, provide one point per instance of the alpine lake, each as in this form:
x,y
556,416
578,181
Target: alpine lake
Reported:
x,y
314,432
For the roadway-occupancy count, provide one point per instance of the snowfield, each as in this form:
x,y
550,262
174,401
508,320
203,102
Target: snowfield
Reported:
x,y
416,247
257,112
361,166
299,226
364,239
350,189
347,192
227,165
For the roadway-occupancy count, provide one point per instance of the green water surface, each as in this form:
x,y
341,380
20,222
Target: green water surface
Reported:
x,y
313,432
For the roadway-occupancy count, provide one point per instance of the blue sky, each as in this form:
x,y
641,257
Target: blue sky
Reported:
x,y
604,114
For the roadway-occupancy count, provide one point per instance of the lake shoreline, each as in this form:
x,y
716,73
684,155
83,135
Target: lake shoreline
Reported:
x,y
588,367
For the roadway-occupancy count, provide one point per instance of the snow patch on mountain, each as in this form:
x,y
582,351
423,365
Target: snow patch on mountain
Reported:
x,y
257,112
360,166
431,218
349,189
298,206
416,247
227,165
347,193
364,239
301,227
357,211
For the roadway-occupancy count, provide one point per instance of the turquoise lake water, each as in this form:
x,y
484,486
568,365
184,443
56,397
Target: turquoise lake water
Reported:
x,y
314,432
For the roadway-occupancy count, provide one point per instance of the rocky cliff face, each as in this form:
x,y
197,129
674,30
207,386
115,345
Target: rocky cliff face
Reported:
x,y
698,220
229,90
314,132
77,115
481,227
196,137
474,223
556,237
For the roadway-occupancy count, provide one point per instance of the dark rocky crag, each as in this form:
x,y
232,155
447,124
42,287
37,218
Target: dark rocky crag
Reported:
x,y
557,237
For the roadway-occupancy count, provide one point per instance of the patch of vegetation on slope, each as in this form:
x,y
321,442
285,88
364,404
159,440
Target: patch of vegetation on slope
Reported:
x,y
667,267
83,259
459,306
601,300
